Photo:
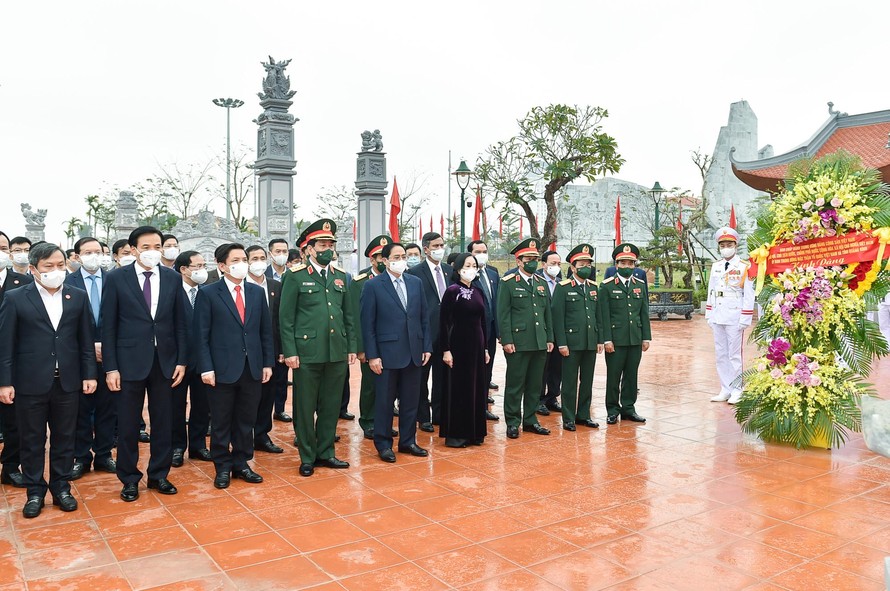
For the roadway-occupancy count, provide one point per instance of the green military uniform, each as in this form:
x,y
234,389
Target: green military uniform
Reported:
x,y
317,326
625,322
525,321
576,321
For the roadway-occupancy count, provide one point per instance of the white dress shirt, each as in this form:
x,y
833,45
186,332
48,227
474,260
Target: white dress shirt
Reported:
x,y
395,285
264,285
3,275
155,280
231,287
53,304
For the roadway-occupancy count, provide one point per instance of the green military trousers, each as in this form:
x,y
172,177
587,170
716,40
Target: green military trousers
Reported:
x,y
621,379
366,398
525,371
575,396
318,392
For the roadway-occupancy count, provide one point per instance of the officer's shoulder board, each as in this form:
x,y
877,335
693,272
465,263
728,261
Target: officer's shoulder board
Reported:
x,y
636,280
333,268
538,277
508,277
299,267
591,282
360,276
565,281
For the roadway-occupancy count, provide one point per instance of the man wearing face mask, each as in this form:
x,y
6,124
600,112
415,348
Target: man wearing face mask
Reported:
x,y
97,412
170,250
144,347
488,281
550,387
278,250
72,265
526,325
122,253
318,341
415,254
19,247
729,311
46,357
258,275
190,435
435,276
235,357
106,261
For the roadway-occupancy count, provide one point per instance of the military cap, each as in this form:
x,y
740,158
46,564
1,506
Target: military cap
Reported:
x,y
323,229
582,252
376,245
529,246
726,233
625,251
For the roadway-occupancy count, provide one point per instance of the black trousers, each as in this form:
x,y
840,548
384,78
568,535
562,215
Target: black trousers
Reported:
x,y
233,413
430,404
268,401
550,388
492,347
194,435
96,423
160,412
403,384
279,376
10,457
58,409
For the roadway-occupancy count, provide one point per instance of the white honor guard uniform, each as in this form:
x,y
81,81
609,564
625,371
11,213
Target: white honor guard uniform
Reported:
x,y
729,311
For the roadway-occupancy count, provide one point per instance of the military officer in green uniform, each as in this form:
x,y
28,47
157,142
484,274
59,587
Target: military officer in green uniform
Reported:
x,y
576,320
367,392
626,333
526,328
317,340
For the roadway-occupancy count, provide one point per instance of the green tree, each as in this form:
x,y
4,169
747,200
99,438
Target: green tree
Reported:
x,y
556,144
72,225
94,203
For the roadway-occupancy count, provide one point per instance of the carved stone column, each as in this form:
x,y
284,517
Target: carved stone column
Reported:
x,y
370,188
126,215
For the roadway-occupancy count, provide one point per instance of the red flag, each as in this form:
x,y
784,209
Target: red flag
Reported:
x,y
500,226
477,215
732,222
395,206
618,221
442,224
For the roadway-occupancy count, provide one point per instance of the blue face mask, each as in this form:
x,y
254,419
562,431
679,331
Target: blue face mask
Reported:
x,y
413,261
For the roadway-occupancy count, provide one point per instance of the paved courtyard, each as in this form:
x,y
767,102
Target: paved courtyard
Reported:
x,y
683,502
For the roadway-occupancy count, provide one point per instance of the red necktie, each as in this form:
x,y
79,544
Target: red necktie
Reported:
x,y
239,302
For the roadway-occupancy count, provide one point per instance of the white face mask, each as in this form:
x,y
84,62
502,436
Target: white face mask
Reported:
x,y
468,274
257,268
728,252
553,270
53,279
437,254
75,266
481,258
171,252
150,258
20,258
239,270
199,276
106,262
398,267
4,259
90,262
127,259
280,259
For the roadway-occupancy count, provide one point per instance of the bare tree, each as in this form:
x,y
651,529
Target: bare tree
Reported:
x,y
187,186
414,195
242,182
336,203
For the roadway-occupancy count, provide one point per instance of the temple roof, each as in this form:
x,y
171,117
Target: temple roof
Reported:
x,y
866,135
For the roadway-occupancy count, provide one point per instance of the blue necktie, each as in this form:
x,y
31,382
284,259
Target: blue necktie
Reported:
x,y
94,298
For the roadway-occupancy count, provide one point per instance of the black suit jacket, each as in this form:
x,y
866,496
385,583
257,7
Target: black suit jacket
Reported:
x,y
491,306
13,281
398,337
431,294
274,287
130,336
30,347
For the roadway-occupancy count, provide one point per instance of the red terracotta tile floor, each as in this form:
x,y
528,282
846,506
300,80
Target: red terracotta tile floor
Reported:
x,y
685,501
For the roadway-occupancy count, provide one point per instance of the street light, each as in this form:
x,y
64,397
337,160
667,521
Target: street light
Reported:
x,y
229,104
656,192
463,174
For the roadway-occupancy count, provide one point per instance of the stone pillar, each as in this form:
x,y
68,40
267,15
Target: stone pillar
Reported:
x,y
126,215
345,245
35,233
34,223
370,188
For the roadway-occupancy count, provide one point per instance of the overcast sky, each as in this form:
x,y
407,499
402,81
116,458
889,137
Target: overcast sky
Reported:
x,y
96,94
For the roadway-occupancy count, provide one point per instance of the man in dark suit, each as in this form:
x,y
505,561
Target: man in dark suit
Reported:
x,y
19,247
488,282
9,431
434,276
96,412
256,259
396,337
191,391
235,358
144,347
550,386
47,356
279,256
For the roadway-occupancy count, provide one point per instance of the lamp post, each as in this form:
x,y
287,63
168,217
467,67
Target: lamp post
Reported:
x,y
463,174
656,192
229,104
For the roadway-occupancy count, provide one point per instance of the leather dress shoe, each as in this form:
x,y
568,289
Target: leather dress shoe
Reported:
x,y
247,475
130,492
163,486
283,417
513,432
267,446
369,434
479,441
543,411
554,406
414,450
611,419
144,437
78,470
331,463
589,423
306,469
427,427
222,480
633,417
387,456
490,416
106,465
454,442
202,454
13,478
65,502
536,429
347,416
296,441
493,386
568,426
32,507
336,438
178,455
489,400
